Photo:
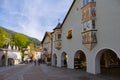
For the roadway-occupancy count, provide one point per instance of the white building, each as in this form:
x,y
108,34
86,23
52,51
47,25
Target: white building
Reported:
x,y
10,56
89,36
3,57
46,45
14,55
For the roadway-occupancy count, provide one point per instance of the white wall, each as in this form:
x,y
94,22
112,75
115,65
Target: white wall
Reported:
x,y
108,34
47,44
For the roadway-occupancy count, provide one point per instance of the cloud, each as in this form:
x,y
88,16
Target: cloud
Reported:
x,y
33,18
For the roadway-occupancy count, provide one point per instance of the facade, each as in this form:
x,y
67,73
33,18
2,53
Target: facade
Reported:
x,y
10,56
47,47
3,57
89,36
14,56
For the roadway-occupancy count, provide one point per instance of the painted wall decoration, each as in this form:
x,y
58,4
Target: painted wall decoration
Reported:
x,y
58,45
93,12
69,34
89,38
88,12
89,25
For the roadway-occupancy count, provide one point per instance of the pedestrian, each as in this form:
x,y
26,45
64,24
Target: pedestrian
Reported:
x,y
65,62
39,61
35,62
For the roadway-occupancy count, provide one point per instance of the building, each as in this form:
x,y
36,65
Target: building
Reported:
x,y
14,56
88,38
10,56
47,47
3,57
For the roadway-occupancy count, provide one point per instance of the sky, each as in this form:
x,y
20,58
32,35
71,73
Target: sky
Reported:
x,y
33,17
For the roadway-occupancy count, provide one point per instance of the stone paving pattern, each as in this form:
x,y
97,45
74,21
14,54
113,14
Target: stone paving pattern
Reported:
x,y
44,72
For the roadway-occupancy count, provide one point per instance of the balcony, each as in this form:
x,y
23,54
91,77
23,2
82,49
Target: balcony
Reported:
x,y
89,39
58,44
89,12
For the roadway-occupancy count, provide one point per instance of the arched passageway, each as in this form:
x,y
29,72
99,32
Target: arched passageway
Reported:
x,y
54,60
3,60
11,61
108,62
64,59
80,60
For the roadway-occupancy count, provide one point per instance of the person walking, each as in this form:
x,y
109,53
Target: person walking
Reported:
x,y
35,62
39,61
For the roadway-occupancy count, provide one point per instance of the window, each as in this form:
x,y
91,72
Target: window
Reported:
x,y
45,49
87,1
93,24
59,36
69,35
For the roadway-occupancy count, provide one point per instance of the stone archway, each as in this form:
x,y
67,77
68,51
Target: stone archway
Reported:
x,y
107,62
80,60
54,60
64,59
3,60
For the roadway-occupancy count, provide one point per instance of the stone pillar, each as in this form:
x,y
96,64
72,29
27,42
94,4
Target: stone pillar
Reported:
x,y
93,64
71,61
6,59
59,60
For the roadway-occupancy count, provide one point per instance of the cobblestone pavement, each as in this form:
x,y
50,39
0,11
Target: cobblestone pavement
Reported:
x,y
13,72
44,72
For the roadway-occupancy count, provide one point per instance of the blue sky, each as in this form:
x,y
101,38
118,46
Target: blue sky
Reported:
x,y
32,17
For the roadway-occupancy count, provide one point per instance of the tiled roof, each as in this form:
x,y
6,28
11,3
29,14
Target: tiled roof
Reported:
x,y
47,33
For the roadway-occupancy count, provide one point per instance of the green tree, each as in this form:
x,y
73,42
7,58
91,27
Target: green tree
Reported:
x,y
31,49
21,40
4,38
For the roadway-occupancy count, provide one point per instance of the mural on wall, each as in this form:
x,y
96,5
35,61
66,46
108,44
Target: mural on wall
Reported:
x,y
89,38
69,34
58,45
89,25
93,12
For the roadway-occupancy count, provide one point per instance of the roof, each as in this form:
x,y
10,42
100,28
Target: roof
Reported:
x,y
3,49
68,12
58,26
49,34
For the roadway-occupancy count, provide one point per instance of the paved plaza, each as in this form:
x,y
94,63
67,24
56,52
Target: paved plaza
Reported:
x,y
44,72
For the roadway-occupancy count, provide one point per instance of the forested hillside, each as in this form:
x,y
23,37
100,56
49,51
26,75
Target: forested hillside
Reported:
x,y
15,38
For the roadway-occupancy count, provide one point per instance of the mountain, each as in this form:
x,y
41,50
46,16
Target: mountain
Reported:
x,y
32,40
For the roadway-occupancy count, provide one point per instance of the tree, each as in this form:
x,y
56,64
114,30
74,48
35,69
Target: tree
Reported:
x,y
21,40
31,49
3,38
